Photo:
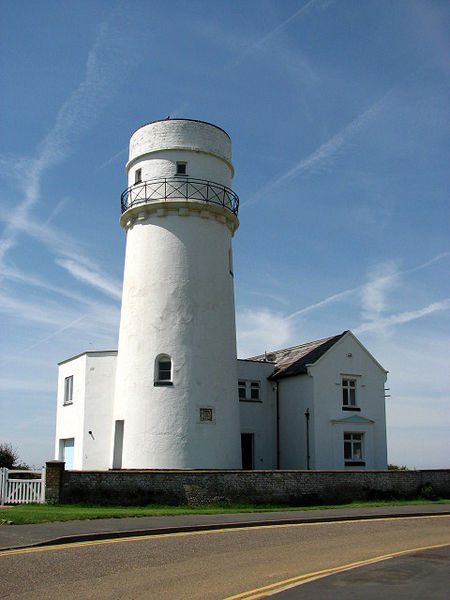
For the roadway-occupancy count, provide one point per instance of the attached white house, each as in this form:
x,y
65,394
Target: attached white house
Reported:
x,y
319,405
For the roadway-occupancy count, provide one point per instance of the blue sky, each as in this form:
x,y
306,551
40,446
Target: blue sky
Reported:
x,y
338,115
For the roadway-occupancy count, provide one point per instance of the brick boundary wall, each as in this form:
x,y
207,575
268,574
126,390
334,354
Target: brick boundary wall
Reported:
x,y
181,487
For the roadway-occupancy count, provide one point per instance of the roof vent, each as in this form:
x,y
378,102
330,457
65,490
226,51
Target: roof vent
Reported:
x,y
271,356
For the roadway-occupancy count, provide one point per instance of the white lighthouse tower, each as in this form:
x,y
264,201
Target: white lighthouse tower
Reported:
x,y
176,402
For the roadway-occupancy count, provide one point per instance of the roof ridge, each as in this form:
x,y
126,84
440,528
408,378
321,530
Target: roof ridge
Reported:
x,y
325,339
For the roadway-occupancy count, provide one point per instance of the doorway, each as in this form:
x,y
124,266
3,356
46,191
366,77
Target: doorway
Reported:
x,y
67,448
118,445
247,449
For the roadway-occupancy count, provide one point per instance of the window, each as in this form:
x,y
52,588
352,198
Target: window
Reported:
x,y
181,168
68,390
249,391
163,370
349,394
353,449
138,176
254,390
206,415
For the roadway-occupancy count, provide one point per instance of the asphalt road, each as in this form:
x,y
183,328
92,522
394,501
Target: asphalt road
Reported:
x,y
207,565
412,576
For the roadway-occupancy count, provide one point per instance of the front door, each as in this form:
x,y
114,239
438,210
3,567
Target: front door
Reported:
x,y
68,453
247,442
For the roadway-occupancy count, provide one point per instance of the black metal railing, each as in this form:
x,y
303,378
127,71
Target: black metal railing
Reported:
x,y
187,188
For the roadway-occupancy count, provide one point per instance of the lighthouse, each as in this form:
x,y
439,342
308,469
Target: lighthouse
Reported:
x,y
176,402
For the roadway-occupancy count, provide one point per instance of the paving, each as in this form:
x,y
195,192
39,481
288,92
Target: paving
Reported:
x,y
22,536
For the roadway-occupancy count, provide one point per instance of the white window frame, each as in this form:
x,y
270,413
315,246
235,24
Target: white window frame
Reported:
x,y
161,380
248,388
68,390
138,176
349,385
354,441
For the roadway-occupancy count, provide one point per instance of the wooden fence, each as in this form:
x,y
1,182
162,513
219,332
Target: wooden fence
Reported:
x,y
23,489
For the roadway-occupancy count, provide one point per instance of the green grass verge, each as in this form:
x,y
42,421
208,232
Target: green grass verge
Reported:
x,y
44,513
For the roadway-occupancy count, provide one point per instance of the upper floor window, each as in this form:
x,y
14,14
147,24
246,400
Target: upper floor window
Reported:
x,y
68,390
163,370
181,168
249,390
138,176
349,393
354,449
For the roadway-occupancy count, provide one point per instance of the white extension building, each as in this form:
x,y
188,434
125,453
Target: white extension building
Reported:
x,y
174,395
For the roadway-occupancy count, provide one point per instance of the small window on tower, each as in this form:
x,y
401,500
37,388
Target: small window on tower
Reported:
x,y
138,176
181,168
163,370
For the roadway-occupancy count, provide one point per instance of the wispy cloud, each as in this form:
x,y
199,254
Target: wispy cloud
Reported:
x,y
92,277
76,114
323,157
382,280
113,158
259,329
404,317
329,300
273,32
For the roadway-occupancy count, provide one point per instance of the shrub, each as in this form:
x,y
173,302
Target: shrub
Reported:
x,y
8,455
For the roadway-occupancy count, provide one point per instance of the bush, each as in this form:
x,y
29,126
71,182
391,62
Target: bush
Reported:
x,y
8,455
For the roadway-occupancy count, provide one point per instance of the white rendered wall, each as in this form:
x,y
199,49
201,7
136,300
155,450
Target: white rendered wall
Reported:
x,y
327,430
91,409
70,417
98,415
178,299
296,395
259,418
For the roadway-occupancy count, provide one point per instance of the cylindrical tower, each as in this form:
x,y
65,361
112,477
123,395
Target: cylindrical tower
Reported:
x,y
176,403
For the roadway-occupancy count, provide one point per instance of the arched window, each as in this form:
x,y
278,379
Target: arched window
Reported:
x,y
163,370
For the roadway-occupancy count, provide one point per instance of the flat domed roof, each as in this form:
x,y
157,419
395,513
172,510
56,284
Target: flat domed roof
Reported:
x,y
181,119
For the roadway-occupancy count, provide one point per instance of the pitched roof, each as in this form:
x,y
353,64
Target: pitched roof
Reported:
x,y
293,361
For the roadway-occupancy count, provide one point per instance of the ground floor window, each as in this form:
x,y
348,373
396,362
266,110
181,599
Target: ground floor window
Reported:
x,y
354,449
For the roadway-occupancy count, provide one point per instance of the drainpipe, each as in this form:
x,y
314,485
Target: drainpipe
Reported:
x,y
277,383
307,439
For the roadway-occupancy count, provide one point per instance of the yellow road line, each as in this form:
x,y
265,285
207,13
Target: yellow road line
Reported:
x,y
225,529
300,579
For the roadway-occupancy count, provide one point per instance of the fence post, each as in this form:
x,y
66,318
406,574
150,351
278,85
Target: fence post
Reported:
x,y
54,472
3,480
43,482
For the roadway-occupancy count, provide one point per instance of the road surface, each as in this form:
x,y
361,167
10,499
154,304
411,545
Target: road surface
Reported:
x,y
207,565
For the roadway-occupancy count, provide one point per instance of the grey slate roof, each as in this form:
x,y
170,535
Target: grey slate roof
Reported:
x,y
293,361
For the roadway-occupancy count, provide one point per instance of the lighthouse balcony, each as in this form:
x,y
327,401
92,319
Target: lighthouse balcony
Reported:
x,y
176,188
